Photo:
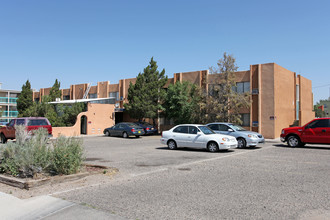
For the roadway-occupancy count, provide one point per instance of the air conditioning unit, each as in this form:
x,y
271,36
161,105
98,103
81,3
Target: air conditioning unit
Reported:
x,y
58,99
117,105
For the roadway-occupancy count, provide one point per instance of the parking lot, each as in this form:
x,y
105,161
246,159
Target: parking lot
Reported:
x,y
269,182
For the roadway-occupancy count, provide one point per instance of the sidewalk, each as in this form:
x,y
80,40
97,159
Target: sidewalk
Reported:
x,y
47,207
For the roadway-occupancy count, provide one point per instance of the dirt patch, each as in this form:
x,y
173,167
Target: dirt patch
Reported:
x,y
91,175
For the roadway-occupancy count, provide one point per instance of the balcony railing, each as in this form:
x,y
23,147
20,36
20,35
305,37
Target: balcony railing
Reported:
x,y
8,100
13,114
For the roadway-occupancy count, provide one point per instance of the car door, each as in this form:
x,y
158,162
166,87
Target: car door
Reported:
x,y
316,132
180,135
114,130
224,129
11,129
195,138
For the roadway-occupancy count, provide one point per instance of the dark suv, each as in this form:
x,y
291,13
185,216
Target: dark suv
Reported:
x,y
31,123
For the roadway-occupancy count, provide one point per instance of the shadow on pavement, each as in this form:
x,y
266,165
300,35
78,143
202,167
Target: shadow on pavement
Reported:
x,y
193,150
317,147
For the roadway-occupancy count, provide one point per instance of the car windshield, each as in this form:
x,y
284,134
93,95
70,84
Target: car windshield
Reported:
x,y
206,130
237,127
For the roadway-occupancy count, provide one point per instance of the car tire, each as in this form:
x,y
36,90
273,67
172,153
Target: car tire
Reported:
x,y
171,145
212,147
294,141
107,133
3,139
241,143
125,135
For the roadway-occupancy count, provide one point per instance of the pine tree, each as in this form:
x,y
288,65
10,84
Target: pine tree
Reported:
x,y
55,91
25,99
146,95
223,103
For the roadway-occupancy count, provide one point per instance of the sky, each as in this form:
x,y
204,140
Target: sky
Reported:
x,y
80,41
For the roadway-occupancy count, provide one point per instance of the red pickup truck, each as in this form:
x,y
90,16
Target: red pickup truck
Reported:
x,y
316,131
31,123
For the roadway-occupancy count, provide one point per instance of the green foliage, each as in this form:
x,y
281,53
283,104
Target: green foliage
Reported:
x,y
25,99
67,156
58,116
318,112
146,95
181,103
27,156
31,155
55,91
222,103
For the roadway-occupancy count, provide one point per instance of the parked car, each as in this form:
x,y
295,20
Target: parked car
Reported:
x,y
148,128
124,129
31,123
197,136
244,137
316,131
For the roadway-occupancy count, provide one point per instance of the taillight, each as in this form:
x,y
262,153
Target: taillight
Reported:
x,y
147,129
133,130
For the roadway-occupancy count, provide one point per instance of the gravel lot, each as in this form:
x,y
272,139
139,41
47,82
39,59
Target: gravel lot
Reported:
x,y
271,182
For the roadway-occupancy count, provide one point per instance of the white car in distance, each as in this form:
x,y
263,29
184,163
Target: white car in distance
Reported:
x,y
197,136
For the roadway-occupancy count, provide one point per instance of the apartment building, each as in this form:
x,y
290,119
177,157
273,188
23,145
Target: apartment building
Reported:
x,y
279,96
8,104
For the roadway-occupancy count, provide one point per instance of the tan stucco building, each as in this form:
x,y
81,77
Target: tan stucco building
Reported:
x,y
279,97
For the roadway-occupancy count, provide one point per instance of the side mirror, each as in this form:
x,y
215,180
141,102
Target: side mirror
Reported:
x,y
231,130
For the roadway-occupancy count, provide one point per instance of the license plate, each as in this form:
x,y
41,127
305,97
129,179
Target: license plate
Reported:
x,y
139,132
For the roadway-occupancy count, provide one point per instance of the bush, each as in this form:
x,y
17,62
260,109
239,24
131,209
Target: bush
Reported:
x,y
30,155
67,155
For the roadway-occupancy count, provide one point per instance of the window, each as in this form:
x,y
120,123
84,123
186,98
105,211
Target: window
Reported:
x,y
37,122
181,129
66,97
11,123
92,96
20,122
223,127
245,120
242,87
193,130
114,95
214,127
323,123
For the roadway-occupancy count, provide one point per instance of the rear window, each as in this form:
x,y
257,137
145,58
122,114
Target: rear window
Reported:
x,y
132,125
37,122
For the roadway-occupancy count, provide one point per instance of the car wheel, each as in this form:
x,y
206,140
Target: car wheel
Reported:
x,y
3,139
125,135
241,143
293,141
171,145
212,147
107,133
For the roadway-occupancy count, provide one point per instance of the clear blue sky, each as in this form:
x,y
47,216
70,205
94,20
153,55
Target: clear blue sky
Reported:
x,y
83,41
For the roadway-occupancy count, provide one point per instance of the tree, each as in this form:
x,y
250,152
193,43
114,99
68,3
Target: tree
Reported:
x,y
55,91
222,102
181,103
25,99
146,95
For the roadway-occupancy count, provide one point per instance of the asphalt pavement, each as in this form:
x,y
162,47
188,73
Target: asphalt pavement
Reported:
x,y
269,182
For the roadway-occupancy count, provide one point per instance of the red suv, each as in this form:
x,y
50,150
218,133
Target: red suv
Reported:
x,y
31,123
316,131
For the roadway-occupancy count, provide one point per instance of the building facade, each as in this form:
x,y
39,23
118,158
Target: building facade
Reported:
x,y
279,97
8,104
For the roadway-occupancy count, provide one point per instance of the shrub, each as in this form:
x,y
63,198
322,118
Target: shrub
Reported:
x,y
67,156
30,155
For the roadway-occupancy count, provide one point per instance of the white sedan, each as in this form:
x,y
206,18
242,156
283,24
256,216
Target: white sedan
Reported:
x,y
197,136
